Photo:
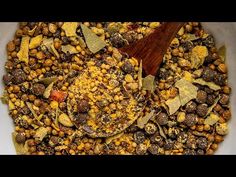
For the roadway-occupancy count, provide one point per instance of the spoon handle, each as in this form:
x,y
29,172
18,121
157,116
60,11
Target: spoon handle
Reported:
x,y
151,49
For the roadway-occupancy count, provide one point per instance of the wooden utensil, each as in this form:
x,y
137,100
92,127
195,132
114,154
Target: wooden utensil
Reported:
x,y
151,49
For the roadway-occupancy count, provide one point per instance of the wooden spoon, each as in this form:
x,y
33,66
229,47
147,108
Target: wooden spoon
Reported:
x,y
151,49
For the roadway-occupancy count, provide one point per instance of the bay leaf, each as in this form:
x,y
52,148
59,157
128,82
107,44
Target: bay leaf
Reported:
x,y
11,106
198,55
21,149
222,52
191,37
35,41
40,117
48,80
34,126
81,42
41,133
4,98
142,121
48,42
161,131
213,105
65,120
211,85
140,71
116,54
205,35
54,51
23,54
93,42
148,83
30,106
56,119
173,104
48,90
187,76
110,139
31,32
70,28
69,48
211,119
187,91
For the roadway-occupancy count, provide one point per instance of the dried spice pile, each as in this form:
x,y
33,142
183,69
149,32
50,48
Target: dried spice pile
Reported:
x,y
69,91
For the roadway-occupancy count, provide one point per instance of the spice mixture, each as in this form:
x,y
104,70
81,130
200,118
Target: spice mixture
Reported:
x,y
70,91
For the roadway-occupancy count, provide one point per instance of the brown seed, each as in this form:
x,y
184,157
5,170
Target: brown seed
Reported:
x,y
20,138
57,44
32,97
190,120
48,63
16,89
175,52
45,31
210,138
141,149
226,89
26,30
201,96
19,33
37,102
18,76
210,99
200,128
226,114
41,153
83,106
38,89
139,137
40,55
189,28
11,46
212,66
150,128
191,107
208,74
162,118
218,139
32,149
173,92
224,99
222,68
195,24
210,152
87,146
221,120
207,127
217,62
127,67
7,79
31,142
202,110
217,108
24,97
202,143
214,146
9,65
61,134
